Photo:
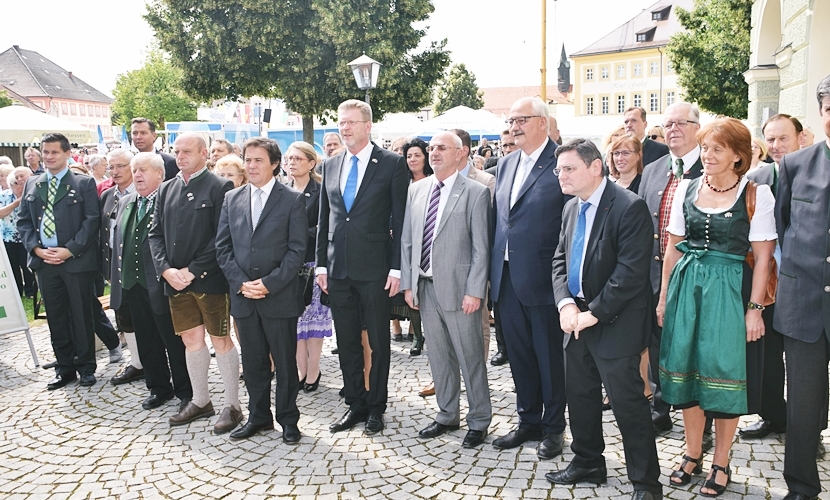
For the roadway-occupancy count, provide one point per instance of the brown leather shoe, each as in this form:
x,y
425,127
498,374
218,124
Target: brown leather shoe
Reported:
x,y
190,413
228,420
429,390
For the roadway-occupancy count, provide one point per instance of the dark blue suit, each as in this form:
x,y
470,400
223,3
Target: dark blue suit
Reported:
x,y
524,291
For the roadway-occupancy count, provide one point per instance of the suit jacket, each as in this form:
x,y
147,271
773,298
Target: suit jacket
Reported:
x,y
311,193
170,166
461,242
532,227
652,184
615,271
484,178
109,208
273,251
763,174
124,211
357,244
77,220
653,150
802,305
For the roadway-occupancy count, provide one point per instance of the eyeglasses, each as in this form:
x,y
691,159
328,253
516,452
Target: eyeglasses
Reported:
x,y
624,154
295,159
114,167
519,120
350,123
509,145
567,169
655,136
679,123
440,148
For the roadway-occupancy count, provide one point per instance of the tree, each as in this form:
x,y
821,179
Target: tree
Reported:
x,y
298,50
459,89
5,100
154,91
711,56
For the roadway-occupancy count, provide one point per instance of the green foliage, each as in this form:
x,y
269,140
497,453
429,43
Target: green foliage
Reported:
x,y
5,100
459,89
298,50
712,55
154,92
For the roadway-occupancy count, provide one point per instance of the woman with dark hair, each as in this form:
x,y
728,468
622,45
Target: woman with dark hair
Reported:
x,y
417,159
625,162
711,300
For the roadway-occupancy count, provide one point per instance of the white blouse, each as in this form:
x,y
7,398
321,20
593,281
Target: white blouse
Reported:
x,y
761,227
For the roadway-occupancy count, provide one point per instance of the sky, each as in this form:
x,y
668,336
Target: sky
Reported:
x,y
499,41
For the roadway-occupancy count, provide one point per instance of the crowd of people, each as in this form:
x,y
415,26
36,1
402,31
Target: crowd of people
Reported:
x,y
675,269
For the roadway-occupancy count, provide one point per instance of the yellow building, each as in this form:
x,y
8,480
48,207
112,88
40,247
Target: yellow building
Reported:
x,y
629,67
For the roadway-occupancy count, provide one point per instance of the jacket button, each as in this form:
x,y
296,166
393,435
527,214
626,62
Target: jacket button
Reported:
x,y
828,259
347,219
827,289
656,236
654,214
659,193
656,257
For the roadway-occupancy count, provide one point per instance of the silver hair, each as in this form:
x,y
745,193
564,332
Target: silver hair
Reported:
x,y
332,134
125,153
364,108
5,160
540,108
823,90
152,159
94,160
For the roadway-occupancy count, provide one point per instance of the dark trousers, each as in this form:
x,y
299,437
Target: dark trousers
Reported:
x,y
806,412
158,343
661,409
23,276
356,305
68,298
500,346
773,405
259,336
586,374
103,326
534,346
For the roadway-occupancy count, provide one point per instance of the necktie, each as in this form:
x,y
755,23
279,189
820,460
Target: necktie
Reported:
x,y
351,186
257,212
577,248
48,214
521,177
429,225
678,168
142,207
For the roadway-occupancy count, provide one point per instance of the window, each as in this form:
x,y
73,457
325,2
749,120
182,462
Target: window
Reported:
x,y
104,111
82,109
63,109
72,109
589,106
605,105
654,68
660,15
669,98
589,74
638,100
638,69
646,35
604,72
97,110
621,71
655,16
653,102
620,104
89,110
669,67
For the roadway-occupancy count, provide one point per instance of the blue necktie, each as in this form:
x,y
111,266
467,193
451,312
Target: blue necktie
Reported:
x,y
577,248
351,186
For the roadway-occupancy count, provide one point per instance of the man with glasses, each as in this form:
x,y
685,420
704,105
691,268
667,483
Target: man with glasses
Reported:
x,y
528,212
635,126
358,261
659,181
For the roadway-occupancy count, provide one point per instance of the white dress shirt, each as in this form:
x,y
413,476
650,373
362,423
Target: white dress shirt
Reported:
x,y
266,192
521,176
442,203
363,157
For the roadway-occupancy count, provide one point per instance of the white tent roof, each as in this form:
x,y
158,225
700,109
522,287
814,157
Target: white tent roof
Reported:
x,y
396,125
23,126
476,122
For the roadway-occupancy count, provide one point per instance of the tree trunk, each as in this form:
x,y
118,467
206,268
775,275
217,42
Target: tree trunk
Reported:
x,y
308,129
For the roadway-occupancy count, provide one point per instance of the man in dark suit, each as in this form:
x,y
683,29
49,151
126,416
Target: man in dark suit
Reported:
x,y
528,216
143,134
358,263
136,289
660,180
600,281
58,225
636,126
260,245
802,312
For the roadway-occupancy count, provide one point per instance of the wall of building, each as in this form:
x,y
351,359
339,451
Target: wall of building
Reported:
x,y
86,113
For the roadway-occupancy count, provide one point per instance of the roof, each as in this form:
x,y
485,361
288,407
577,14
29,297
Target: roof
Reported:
x,y
625,37
24,101
30,74
498,100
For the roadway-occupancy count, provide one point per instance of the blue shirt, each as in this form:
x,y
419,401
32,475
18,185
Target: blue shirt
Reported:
x,y
53,241
8,224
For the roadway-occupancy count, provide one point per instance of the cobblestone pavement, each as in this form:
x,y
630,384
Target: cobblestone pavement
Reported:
x,y
98,442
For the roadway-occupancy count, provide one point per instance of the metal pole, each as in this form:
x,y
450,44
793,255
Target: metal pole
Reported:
x,y
367,97
544,90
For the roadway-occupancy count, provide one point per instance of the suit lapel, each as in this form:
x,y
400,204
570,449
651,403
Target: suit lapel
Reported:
x,y
125,218
452,201
605,203
65,186
419,209
545,159
696,170
371,169
272,200
247,218
335,169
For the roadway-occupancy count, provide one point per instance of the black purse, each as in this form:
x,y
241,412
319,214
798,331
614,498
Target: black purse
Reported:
x,y
306,285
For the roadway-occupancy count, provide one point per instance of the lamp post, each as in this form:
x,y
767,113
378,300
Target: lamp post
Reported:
x,y
366,71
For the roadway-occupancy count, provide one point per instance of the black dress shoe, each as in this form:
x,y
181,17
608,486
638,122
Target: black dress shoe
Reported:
x,y
87,380
249,429
499,358
290,434
762,429
155,400
60,381
574,474
798,496
516,438
473,438
312,387
551,446
661,424
374,423
347,421
130,374
645,495
397,337
435,429
334,350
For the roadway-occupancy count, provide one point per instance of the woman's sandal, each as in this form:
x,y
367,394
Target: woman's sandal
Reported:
x,y
681,474
712,485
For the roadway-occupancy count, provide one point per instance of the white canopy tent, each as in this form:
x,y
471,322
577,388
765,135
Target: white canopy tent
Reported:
x,y
477,122
21,126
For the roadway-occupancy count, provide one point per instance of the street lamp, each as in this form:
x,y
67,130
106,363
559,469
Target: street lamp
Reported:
x,y
365,70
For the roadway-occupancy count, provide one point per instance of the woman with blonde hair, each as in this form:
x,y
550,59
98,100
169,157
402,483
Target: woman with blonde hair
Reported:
x,y
232,168
759,152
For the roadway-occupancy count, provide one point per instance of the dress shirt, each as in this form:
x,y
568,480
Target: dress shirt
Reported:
x,y
590,215
53,241
442,203
266,192
363,157
118,195
201,171
689,159
465,172
521,177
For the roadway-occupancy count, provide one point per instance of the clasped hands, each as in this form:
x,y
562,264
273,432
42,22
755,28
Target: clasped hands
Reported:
x,y
572,320
469,304
179,279
253,289
54,256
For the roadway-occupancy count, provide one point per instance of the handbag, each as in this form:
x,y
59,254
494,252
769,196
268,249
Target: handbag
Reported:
x,y
772,285
306,285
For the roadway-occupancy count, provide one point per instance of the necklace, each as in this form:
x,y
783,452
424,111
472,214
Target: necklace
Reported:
x,y
713,188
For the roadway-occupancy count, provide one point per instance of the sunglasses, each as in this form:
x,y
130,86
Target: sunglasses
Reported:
x,y
655,136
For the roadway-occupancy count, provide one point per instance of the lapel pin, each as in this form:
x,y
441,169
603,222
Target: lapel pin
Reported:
x,y
728,215
189,196
308,195
455,196
374,160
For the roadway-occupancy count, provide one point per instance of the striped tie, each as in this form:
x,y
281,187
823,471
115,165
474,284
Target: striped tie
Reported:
x,y
429,225
48,215
257,212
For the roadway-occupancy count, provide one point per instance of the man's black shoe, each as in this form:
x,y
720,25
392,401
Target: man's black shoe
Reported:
x,y
661,424
551,446
435,429
347,421
473,438
499,358
374,423
290,434
574,474
249,429
762,429
517,437
798,496
87,380
60,381
155,400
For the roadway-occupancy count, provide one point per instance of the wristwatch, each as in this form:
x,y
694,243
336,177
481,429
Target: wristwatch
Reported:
x,y
755,305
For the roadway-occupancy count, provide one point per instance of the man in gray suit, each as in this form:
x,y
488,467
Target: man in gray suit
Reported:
x,y
444,259
802,312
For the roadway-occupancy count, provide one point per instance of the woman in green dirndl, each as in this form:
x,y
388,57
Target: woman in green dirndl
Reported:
x,y
707,321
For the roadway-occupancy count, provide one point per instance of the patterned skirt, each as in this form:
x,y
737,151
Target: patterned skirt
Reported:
x,y
315,323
